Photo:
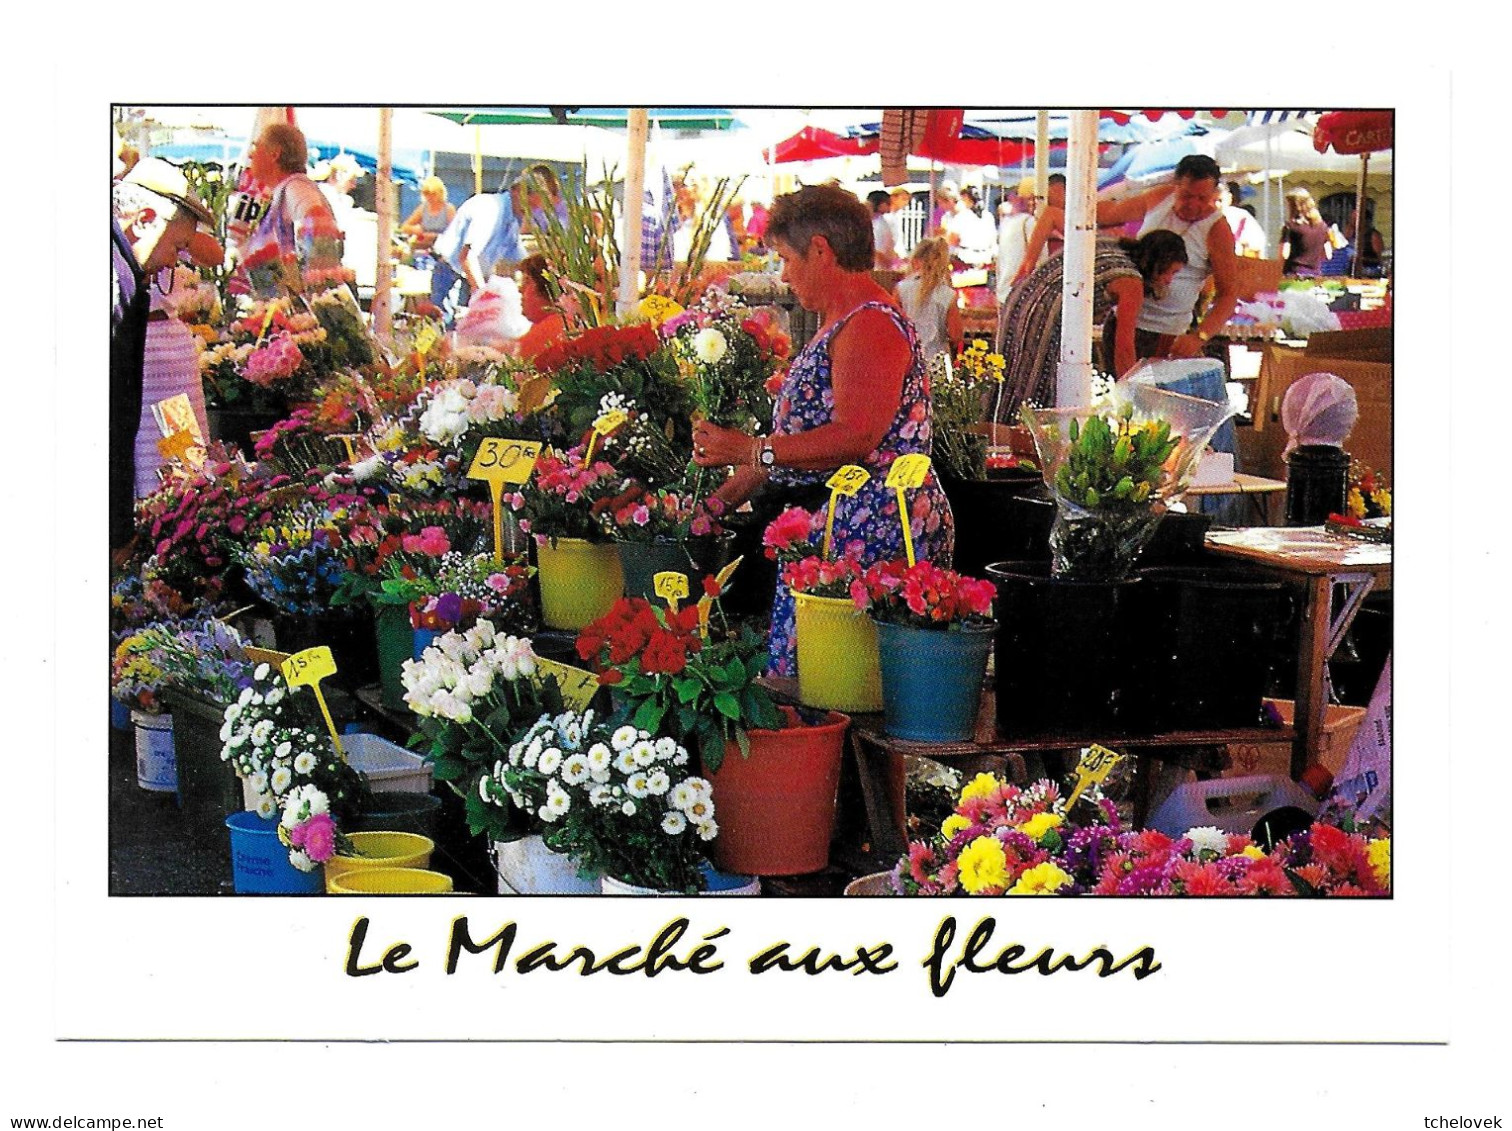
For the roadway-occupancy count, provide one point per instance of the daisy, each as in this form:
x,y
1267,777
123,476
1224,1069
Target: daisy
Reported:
x,y
599,756
549,760
624,738
625,761
644,752
638,785
673,823
281,779
305,762
575,769
707,830
666,748
628,808
684,796
658,782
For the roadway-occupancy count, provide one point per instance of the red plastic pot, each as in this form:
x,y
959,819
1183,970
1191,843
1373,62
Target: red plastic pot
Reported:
x,y
776,808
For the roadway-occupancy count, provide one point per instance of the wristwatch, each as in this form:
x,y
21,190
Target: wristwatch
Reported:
x,y
766,455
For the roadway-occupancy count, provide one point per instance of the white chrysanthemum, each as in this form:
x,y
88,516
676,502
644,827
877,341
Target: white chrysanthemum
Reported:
x,y
301,860
700,811
262,732
258,782
575,769
550,759
274,697
658,782
558,801
281,780
666,748
625,762
305,762
684,796
707,830
267,806
1208,839
701,787
638,785
681,757
599,756
225,732
233,712
624,738
259,673
571,733
601,796
283,749
628,808
673,823
709,346
644,752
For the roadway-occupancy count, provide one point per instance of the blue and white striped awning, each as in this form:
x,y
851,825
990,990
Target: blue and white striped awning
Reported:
x,y
1265,117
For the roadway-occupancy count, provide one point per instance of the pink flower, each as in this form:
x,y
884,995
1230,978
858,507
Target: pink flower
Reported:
x,y
319,837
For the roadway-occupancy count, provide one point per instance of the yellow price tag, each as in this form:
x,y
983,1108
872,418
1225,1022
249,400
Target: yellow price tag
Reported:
x,y
605,424
671,586
308,668
909,471
1095,765
504,461
849,479
426,339
349,439
180,445
578,686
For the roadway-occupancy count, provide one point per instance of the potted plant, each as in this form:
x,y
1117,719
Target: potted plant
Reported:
x,y
137,679
661,531
838,665
775,773
579,570
934,633
618,800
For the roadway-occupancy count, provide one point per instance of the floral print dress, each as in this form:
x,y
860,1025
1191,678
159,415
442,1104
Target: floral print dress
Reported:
x,y
867,524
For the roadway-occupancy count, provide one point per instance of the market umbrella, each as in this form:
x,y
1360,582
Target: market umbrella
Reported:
x,y
812,143
1356,131
607,117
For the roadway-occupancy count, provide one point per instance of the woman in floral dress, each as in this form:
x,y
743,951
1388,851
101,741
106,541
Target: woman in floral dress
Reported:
x,y
857,394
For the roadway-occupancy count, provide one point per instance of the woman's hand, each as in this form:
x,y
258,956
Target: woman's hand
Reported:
x,y
714,446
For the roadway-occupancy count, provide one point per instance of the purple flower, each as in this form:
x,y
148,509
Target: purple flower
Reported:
x,y
449,608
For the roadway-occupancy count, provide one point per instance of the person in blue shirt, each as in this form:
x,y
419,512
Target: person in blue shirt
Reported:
x,y
483,234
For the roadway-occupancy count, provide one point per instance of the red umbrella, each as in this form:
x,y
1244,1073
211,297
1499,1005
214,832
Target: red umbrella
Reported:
x,y
812,144
1356,131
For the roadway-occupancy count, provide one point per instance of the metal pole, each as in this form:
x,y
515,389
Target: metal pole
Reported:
x,y
1074,378
383,284
635,191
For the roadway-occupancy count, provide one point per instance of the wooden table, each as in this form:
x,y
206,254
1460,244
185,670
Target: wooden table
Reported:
x,y
1256,488
1316,562
879,760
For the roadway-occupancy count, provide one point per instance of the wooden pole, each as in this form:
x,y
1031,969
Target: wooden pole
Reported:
x,y
1073,383
635,191
1359,228
477,159
1041,158
383,283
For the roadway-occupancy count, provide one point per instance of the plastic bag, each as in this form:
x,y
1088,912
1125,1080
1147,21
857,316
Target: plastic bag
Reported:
x,y
494,317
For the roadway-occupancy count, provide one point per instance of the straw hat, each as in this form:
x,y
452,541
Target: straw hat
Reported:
x,y
168,181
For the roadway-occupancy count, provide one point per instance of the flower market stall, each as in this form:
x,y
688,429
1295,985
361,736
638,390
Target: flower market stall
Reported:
x,y
423,614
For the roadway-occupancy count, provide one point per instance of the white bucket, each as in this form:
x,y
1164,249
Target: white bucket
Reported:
x,y
527,867
156,768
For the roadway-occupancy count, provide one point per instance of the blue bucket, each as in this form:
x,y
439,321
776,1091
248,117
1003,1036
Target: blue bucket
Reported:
x,y
932,681
260,863
120,715
728,883
424,638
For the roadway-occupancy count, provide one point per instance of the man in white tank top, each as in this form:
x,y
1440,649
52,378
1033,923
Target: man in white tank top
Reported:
x,y
1193,213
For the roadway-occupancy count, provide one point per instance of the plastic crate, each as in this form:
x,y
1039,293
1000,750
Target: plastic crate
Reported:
x,y
1234,805
389,768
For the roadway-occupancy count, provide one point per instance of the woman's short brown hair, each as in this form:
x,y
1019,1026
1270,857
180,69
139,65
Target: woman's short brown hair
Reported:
x,y
829,211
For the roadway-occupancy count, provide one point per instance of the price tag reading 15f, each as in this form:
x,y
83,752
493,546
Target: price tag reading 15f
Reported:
x,y
310,666
671,587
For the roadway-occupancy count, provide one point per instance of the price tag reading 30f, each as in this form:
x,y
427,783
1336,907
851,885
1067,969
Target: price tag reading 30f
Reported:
x,y
504,461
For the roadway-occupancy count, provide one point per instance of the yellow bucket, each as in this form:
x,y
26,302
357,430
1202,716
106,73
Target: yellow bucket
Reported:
x,y
838,665
580,581
391,881
380,850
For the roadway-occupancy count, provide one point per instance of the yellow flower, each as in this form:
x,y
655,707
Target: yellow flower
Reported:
x,y
1039,824
953,824
1042,879
658,308
1254,852
1379,854
1383,500
1356,503
983,785
983,865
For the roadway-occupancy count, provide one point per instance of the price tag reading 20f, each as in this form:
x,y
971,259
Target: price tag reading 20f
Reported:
x,y
1095,765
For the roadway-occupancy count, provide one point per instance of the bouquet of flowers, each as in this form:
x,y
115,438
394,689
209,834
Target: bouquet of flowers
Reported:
x,y
139,598
469,587
618,800
290,766
922,595
794,540
1006,840
347,341
558,500
264,358
959,396
298,563
640,514
412,536
672,675
1112,466
731,353
1367,504
461,413
206,657
473,691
